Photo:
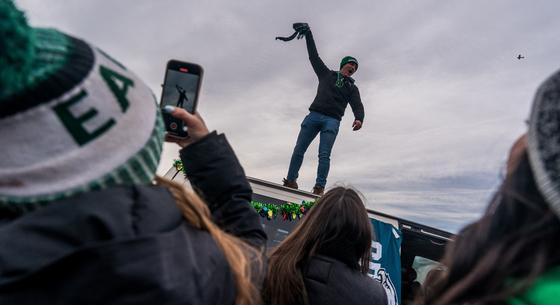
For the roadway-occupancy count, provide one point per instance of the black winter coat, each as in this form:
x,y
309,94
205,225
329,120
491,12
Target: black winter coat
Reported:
x,y
332,100
131,245
331,282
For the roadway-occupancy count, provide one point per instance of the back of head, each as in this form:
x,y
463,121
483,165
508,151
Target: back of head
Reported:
x,y
72,118
514,242
543,145
337,226
340,227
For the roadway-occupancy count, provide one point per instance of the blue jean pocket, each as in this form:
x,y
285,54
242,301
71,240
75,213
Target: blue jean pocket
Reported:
x,y
331,125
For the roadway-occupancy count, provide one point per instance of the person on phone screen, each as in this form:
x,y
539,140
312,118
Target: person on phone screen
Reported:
x,y
335,91
182,96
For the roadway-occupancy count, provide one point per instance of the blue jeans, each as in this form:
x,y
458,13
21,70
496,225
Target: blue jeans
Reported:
x,y
313,124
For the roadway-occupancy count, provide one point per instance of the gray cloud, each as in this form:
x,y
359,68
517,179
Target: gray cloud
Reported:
x,y
444,95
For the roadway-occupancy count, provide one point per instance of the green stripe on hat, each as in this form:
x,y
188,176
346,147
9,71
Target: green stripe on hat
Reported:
x,y
41,70
138,169
51,56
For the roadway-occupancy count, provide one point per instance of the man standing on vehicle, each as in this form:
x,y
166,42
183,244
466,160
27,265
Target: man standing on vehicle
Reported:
x,y
182,96
335,91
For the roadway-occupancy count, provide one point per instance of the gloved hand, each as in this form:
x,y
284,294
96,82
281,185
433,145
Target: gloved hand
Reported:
x,y
301,28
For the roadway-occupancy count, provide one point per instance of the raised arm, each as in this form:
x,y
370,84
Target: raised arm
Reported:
x,y
318,65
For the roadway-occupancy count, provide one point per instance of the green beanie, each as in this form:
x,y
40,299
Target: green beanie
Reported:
x,y
348,59
72,118
16,49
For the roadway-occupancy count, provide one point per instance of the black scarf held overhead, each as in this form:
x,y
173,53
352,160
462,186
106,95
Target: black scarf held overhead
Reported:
x,y
288,38
300,30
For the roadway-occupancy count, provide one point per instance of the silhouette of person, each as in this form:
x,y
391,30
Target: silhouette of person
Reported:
x,y
182,96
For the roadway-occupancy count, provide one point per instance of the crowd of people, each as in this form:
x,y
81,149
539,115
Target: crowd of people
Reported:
x,y
85,220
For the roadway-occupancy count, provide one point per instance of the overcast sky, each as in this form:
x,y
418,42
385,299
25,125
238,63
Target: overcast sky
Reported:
x,y
444,94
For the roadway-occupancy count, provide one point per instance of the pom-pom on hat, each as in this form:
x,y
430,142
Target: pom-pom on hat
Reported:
x,y
16,49
544,140
72,119
348,59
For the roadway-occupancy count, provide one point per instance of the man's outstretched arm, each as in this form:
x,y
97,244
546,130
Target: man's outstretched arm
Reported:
x,y
318,65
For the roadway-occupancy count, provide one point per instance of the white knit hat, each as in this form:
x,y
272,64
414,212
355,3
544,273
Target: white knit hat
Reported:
x,y
544,140
72,119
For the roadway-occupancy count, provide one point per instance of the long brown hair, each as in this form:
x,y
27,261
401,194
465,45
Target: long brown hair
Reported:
x,y
240,256
501,254
338,219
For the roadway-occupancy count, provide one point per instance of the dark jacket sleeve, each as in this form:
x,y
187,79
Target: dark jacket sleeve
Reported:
x,y
356,104
215,173
316,62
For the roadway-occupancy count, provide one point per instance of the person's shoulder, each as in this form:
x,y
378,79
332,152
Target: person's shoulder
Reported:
x,y
357,279
147,208
371,290
328,268
328,274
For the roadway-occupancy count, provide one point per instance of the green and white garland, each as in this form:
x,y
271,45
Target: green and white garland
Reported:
x,y
288,211
178,164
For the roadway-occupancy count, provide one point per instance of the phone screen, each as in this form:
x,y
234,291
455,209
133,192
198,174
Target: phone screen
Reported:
x,y
180,89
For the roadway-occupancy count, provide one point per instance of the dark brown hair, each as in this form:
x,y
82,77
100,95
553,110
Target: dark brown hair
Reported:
x,y
338,220
502,253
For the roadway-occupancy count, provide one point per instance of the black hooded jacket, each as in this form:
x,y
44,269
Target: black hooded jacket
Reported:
x,y
131,245
330,99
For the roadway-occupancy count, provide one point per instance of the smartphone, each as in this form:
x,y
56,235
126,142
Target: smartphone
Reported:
x,y
181,86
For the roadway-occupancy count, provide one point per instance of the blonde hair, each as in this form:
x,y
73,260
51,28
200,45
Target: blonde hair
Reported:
x,y
239,255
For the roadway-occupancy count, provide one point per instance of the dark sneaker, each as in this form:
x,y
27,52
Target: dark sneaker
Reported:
x,y
290,184
318,190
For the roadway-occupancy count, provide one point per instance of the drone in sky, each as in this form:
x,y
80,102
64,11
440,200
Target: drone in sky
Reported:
x,y
520,56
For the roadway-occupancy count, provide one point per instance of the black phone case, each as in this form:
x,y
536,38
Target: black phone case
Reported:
x,y
175,126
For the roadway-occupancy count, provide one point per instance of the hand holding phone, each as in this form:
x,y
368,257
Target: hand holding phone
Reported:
x,y
181,88
194,122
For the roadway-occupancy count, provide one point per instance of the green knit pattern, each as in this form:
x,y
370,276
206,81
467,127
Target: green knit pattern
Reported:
x,y
16,49
31,55
51,49
27,55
